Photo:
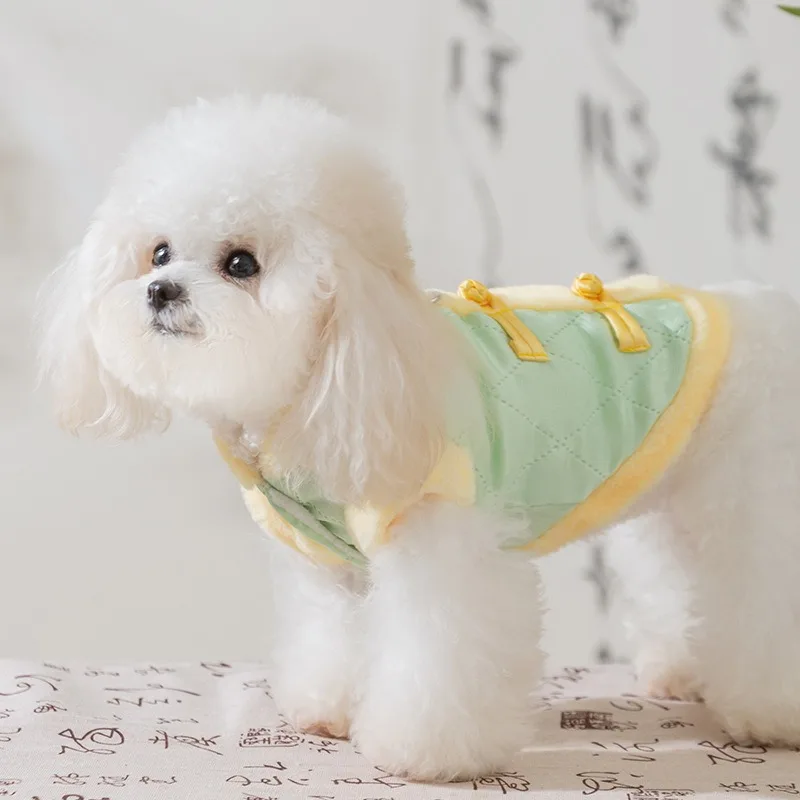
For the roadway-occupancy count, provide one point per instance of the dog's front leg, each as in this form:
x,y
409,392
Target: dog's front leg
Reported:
x,y
313,643
452,650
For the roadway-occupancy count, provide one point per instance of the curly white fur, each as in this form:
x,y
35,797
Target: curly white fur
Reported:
x,y
714,600
332,353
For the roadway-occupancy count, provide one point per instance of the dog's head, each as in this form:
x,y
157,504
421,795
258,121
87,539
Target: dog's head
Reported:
x,y
249,261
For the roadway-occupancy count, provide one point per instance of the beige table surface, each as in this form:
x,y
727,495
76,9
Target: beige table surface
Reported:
x,y
211,732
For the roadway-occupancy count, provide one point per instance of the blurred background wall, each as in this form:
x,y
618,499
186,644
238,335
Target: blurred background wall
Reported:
x,y
535,138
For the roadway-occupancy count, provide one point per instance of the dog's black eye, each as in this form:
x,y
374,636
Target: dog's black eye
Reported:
x,y
161,255
240,265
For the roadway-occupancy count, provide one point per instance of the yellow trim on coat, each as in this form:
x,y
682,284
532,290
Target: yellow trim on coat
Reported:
x,y
267,518
670,433
453,478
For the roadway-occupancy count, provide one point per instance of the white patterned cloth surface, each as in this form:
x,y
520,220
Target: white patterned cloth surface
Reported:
x,y
212,732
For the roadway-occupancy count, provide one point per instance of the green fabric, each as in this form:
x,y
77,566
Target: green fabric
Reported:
x,y
320,520
550,432
553,431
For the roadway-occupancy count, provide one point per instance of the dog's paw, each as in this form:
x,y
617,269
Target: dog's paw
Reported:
x,y
425,761
420,747
673,682
314,713
760,727
312,698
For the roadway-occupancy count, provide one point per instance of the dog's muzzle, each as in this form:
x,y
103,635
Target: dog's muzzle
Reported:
x,y
161,294
172,313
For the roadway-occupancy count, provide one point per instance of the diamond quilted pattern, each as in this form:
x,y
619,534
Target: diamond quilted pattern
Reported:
x,y
554,431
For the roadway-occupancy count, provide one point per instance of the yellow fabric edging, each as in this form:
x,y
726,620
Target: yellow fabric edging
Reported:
x,y
265,516
453,478
670,433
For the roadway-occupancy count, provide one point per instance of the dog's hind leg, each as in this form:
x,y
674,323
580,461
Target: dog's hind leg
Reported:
x,y
736,492
655,586
747,640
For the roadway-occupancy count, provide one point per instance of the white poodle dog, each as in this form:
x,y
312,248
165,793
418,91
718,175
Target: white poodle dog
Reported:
x,y
250,267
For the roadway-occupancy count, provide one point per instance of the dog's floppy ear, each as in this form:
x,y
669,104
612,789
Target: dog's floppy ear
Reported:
x,y
87,397
372,420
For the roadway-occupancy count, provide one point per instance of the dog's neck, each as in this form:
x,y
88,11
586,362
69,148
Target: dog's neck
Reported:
x,y
362,449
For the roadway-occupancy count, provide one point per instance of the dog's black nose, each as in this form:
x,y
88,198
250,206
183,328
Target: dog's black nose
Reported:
x,y
161,293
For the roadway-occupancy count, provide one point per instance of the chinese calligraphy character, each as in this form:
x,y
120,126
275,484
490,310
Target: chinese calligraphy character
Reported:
x,y
154,670
732,13
634,752
505,781
732,753
140,701
107,737
594,782
217,669
586,720
784,788
754,109
267,737
480,58
617,14
117,781
72,779
206,744
28,682
619,153
46,708
668,724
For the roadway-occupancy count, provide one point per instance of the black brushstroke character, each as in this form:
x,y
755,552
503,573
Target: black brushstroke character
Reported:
x,y
499,59
601,134
784,788
616,140
216,669
498,53
622,244
27,682
482,8
617,14
118,781
47,708
109,738
72,779
732,753
599,575
476,100
595,782
586,720
505,781
733,13
755,109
